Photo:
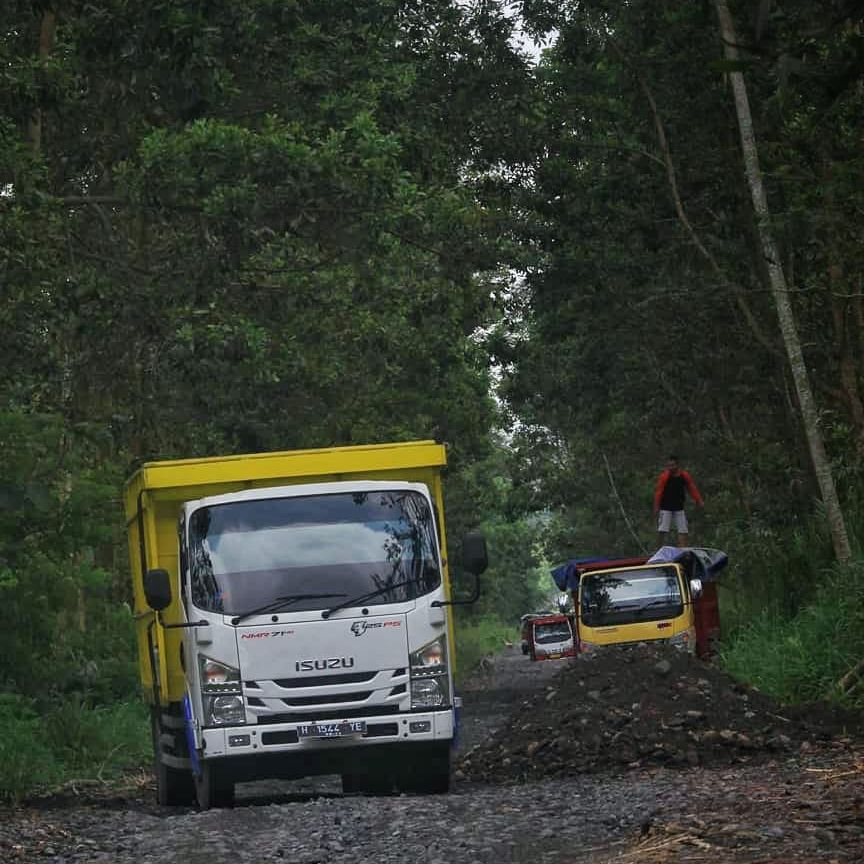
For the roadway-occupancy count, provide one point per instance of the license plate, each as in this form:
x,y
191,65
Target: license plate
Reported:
x,y
555,656
336,729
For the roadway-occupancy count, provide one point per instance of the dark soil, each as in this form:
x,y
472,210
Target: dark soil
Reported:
x,y
645,706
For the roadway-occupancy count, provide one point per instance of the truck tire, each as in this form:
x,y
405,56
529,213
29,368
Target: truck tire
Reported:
x,y
367,782
427,770
174,786
350,784
213,788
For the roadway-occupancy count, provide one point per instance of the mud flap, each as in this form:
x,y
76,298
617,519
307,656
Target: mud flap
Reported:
x,y
190,736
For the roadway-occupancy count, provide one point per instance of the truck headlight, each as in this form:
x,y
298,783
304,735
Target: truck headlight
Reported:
x,y
224,710
430,682
682,640
222,693
429,692
218,677
431,659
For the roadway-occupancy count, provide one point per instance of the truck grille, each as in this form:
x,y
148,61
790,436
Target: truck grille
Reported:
x,y
325,697
336,697
325,680
305,716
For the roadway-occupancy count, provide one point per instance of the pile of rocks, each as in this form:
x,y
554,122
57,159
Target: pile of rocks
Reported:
x,y
645,705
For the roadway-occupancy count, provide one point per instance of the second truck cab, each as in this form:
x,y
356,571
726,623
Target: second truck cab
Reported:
x,y
636,604
670,597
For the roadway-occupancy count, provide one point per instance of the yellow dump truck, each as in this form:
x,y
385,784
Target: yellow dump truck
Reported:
x,y
293,618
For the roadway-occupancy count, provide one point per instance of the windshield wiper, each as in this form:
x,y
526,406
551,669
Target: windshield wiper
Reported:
x,y
661,602
364,597
284,600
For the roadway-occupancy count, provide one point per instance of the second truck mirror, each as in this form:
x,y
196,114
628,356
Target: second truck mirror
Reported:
x,y
157,589
475,559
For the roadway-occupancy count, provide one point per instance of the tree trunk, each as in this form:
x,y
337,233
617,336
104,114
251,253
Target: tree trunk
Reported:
x,y
47,29
785,314
849,389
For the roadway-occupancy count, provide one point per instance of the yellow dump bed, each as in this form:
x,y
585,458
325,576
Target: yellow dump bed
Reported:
x,y
154,494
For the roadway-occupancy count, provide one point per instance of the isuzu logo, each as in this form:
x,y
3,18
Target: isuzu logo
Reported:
x,y
326,663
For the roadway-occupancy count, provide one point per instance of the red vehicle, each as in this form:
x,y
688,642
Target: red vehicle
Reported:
x,y
551,637
525,628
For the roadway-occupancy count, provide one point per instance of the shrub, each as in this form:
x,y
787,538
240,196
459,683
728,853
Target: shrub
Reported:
x,y
800,657
98,742
26,761
478,638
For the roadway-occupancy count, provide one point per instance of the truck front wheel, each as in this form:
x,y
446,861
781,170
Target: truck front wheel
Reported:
x,y
427,770
213,788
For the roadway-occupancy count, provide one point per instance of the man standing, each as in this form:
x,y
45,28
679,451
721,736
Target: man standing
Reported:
x,y
673,484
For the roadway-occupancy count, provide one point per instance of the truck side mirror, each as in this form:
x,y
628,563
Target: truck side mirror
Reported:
x,y
695,588
475,558
474,561
157,589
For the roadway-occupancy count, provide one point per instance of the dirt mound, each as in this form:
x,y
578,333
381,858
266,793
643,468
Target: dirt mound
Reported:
x,y
645,705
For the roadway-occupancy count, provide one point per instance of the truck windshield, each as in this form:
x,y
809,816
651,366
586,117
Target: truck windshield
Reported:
x,y
246,554
630,596
554,632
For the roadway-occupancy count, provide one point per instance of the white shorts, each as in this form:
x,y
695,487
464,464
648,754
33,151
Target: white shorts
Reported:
x,y
673,518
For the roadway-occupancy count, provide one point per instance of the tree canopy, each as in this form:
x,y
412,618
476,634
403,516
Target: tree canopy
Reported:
x,y
272,224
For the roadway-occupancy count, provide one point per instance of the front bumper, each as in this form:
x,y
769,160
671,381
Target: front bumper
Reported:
x,y
259,739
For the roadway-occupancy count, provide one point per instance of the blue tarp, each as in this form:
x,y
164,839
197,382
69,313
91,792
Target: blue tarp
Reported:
x,y
567,575
706,564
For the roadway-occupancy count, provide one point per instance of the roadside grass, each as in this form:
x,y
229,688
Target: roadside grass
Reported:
x,y
801,657
99,743
40,750
476,639
26,761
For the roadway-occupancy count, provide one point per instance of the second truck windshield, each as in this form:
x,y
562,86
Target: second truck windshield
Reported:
x,y
625,596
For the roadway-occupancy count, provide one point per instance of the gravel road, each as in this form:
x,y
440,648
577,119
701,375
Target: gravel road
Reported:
x,y
805,807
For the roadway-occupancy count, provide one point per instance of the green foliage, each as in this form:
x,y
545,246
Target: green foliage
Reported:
x,y
66,739
276,235
478,637
26,761
514,582
801,657
515,579
641,325
98,741
57,518
297,225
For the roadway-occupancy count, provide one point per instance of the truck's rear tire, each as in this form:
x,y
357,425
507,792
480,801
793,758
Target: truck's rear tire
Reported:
x,y
213,788
174,786
427,770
